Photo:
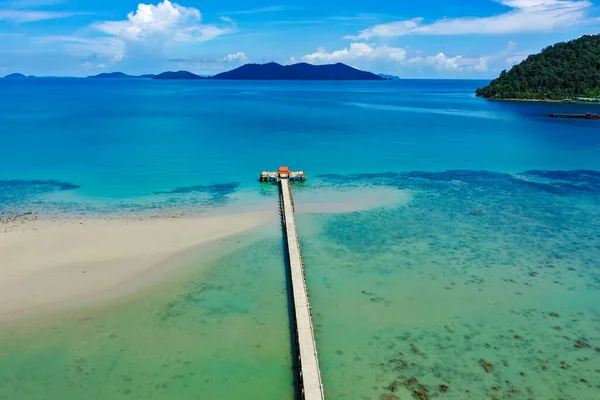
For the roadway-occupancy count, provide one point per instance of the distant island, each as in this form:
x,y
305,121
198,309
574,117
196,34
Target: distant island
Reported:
x,y
179,75
301,71
268,72
17,76
273,71
565,71
120,75
389,77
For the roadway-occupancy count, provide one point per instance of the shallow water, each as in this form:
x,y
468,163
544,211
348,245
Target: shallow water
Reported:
x,y
219,330
478,269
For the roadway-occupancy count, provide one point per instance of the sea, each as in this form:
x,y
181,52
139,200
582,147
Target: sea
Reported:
x,y
451,243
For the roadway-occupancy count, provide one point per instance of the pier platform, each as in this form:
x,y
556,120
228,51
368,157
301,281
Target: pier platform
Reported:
x,y
308,361
282,173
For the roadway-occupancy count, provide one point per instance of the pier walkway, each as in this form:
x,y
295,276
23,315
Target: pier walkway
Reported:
x,y
308,362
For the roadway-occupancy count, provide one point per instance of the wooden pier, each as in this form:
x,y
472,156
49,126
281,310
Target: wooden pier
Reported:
x,y
308,361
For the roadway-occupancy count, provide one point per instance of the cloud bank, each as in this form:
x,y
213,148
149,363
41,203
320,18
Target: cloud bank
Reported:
x,y
152,34
211,65
395,58
356,51
525,16
167,21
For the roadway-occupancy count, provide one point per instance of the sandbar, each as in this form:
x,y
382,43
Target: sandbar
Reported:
x,y
48,263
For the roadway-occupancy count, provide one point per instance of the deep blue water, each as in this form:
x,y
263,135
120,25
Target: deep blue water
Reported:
x,y
142,143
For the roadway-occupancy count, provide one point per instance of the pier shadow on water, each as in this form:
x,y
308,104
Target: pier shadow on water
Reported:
x,y
296,383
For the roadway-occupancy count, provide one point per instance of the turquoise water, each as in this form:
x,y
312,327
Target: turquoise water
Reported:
x,y
474,266
144,144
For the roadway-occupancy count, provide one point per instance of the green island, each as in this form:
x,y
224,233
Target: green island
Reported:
x,y
565,71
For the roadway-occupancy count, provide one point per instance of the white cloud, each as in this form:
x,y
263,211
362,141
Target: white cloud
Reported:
x,y
74,39
442,62
524,16
24,11
394,59
23,16
237,57
459,63
87,65
356,51
516,59
81,46
209,65
165,21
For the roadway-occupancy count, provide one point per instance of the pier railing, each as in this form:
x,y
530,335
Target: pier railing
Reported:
x,y
310,377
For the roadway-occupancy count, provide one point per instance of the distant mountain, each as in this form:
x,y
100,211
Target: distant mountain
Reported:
x,y
118,75
270,71
389,77
179,75
15,76
302,71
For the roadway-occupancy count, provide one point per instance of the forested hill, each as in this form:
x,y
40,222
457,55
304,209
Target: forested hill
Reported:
x,y
562,71
301,71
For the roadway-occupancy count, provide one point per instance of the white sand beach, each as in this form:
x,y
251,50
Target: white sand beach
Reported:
x,y
45,264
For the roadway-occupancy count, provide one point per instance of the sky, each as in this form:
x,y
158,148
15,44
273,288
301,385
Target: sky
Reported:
x,y
450,39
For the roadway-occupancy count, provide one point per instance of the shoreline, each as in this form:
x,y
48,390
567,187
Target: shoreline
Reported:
x,y
51,265
543,101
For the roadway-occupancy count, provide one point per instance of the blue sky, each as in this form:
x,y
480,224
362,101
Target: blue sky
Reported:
x,y
412,39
